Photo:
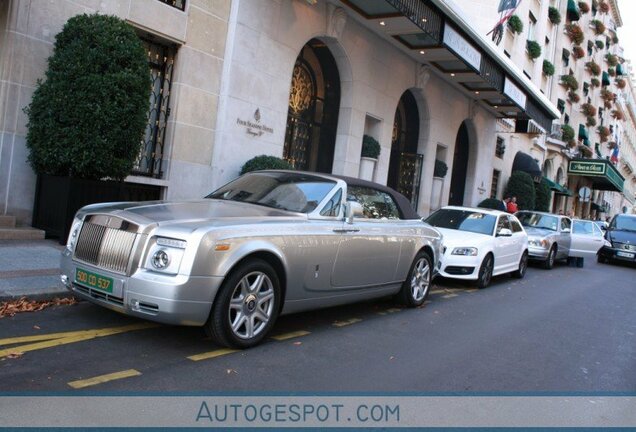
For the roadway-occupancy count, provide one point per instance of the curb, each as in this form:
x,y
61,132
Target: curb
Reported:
x,y
38,296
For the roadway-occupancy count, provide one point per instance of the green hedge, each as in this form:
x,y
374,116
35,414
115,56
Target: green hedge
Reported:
x,y
521,185
88,117
265,162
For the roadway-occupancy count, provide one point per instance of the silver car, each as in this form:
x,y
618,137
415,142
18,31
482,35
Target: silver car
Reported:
x,y
267,243
587,239
548,236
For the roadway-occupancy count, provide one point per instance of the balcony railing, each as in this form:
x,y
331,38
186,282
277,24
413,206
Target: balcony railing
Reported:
x,y
179,4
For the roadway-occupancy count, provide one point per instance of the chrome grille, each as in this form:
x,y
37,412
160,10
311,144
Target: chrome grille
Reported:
x,y
106,242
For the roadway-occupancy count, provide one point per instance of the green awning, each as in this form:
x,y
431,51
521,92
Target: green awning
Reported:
x,y
583,134
605,80
557,188
619,69
586,142
601,172
574,13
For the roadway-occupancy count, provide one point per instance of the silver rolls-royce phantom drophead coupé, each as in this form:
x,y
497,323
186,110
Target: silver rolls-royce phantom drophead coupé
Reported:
x,y
267,243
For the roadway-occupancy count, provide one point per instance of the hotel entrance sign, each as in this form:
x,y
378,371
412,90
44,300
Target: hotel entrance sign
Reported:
x,y
515,93
461,47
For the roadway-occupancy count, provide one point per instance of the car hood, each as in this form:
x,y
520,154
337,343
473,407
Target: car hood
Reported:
x,y
538,232
457,238
161,212
621,236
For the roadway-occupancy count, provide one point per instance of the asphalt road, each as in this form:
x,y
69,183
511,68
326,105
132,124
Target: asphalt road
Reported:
x,y
563,330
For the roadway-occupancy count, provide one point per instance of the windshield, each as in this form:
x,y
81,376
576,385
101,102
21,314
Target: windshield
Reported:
x,y
536,220
624,223
463,220
286,191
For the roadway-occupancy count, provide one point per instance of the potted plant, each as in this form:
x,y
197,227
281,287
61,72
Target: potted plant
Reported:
x,y
611,72
578,52
584,7
618,115
439,172
590,122
621,83
515,24
86,120
598,26
554,15
603,7
593,68
611,60
588,110
265,162
603,132
567,133
369,156
575,33
569,82
599,44
534,49
548,68
594,82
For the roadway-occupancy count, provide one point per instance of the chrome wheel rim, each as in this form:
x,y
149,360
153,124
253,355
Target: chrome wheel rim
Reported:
x,y
420,280
487,273
551,257
251,305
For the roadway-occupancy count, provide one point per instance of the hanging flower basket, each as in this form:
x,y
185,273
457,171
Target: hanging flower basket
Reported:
x,y
594,82
599,27
515,24
578,52
554,15
548,68
575,33
621,83
590,122
569,82
534,49
588,110
611,59
593,68
611,72
618,115
584,7
567,133
603,132
574,97
599,44
603,7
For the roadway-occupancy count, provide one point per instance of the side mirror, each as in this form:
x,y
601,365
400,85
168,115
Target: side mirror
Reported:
x,y
603,228
352,209
566,230
504,232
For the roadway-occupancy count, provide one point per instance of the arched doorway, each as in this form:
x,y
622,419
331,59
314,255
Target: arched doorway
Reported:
x,y
460,167
405,165
314,102
557,202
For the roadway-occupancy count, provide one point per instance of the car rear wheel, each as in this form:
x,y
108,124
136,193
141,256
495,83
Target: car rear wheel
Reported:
x,y
418,283
523,266
485,272
246,306
549,262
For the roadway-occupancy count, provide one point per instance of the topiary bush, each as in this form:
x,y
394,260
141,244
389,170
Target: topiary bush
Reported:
x,y
490,203
265,162
542,196
370,147
440,169
521,185
87,118
534,49
548,68
554,15
515,24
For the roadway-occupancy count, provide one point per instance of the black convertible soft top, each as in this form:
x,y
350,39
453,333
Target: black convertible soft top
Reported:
x,y
404,206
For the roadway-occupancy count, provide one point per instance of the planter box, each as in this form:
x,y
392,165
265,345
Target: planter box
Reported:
x,y
57,199
367,168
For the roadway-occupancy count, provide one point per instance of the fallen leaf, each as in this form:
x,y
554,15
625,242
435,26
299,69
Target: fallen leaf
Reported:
x,y
10,308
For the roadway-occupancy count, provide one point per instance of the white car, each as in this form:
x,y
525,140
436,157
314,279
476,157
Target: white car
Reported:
x,y
480,244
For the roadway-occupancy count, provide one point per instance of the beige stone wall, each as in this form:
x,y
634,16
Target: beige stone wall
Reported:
x,y
27,33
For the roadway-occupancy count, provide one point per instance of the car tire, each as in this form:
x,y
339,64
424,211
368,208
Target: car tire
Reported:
x,y
246,305
601,259
549,262
523,266
485,272
417,285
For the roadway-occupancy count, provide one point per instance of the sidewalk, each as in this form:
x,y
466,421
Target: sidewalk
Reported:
x,y
30,268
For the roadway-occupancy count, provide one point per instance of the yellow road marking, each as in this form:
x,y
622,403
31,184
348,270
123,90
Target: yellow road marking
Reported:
x,y
104,378
56,339
346,322
212,354
447,296
291,335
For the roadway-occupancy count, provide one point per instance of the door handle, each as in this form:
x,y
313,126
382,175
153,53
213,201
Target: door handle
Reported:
x,y
346,230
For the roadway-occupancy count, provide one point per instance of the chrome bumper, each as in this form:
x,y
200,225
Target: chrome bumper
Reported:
x,y
179,300
538,253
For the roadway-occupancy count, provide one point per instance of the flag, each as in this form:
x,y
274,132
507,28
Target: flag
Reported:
x,y
614,156
505,5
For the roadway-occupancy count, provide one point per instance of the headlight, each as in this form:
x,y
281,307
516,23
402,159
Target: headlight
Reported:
x,y
607,243
467,251
165,255
73,235
543,243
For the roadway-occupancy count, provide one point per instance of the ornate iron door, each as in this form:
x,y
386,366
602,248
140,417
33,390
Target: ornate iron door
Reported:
x,y
409,176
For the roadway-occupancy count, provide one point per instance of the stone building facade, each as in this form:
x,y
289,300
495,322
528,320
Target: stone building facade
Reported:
x,y
304,80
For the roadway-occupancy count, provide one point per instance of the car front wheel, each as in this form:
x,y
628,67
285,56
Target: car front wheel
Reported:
x,y
418,283
485,272
246,306
549,262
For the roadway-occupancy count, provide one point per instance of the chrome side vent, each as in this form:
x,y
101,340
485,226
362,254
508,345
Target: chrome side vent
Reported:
x,y
106,242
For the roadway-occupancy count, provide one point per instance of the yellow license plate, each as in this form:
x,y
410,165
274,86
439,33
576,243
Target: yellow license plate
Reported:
x,y
93,280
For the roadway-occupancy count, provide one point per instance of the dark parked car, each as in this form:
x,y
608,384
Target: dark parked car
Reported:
x,y
621,234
